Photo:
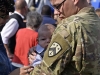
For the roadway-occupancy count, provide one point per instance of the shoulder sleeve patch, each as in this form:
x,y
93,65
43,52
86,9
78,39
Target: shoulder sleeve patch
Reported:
x,y
57,47
54,49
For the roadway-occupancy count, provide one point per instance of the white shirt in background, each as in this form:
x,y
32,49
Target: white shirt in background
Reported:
x,y
10,29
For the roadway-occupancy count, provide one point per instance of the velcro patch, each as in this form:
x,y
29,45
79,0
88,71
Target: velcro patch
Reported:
x,y
57,47
54,49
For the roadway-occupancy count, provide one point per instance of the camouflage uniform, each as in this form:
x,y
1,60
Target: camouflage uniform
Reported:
x,y
74,48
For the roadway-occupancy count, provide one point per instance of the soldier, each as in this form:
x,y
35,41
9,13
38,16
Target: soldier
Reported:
x,y
75,44
74,47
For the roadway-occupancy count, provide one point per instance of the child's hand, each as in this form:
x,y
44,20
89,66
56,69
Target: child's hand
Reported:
x,y
32,57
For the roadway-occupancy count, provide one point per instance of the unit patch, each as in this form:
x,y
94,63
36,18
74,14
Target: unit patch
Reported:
x,y
54,49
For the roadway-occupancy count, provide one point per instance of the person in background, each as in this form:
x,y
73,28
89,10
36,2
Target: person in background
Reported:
x,y
32,9
26,38
47,13
5,8
44,36
89,1
5,65
13,25
98,12
45,33
42,3
57,17
31,3
74,47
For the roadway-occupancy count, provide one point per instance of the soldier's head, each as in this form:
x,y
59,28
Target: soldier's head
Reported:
x,y
66,8
46,10
44,34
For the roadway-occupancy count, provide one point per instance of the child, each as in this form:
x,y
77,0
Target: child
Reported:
x,y
44,36
26,38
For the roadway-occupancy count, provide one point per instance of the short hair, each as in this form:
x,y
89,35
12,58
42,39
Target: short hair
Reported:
x,y
45,28
6,6
34,19
46,10
32,8
20,4
98,11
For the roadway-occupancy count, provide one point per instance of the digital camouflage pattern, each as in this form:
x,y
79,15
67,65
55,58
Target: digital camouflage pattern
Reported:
x,y
74,48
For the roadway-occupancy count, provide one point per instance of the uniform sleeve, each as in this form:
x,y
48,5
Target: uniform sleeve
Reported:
x,y
72,51
57,55
9,30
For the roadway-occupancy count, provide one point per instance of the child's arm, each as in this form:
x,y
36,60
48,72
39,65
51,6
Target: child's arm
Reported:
x,y
32,54
37,60
34,57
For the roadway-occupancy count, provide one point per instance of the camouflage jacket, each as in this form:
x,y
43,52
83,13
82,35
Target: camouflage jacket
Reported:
x,y
74,47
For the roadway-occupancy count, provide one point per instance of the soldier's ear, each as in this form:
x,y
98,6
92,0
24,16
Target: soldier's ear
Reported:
x,y
75,2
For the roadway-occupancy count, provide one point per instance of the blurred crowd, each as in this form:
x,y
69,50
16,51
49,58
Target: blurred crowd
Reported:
x,y
26,29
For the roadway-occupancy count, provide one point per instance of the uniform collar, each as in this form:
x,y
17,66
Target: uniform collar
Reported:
x,y
87,9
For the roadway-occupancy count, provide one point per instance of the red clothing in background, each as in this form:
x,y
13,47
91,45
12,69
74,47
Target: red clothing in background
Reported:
x,y
25,39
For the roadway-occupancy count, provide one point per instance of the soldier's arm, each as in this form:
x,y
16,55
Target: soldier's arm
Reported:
x,y
68,45
57,55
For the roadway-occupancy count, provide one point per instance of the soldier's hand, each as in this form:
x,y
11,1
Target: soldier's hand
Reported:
x,y
22,71
26,70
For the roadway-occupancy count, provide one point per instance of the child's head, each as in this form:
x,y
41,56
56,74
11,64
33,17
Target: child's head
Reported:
x,y
44,34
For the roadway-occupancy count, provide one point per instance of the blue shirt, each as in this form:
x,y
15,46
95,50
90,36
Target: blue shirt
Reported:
x,y
48,19
39,56
5,65
95,3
